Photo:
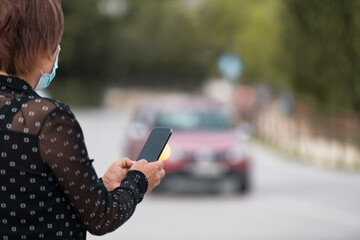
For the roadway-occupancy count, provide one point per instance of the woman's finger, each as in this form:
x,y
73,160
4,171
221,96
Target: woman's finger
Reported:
x,y
162,174
160,164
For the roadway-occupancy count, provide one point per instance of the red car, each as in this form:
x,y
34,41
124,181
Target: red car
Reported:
x,y
206,151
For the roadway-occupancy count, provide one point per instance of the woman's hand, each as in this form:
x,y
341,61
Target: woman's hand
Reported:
x,y
116,173
153,171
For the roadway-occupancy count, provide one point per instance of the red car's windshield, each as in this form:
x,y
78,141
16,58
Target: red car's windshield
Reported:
x,y
192,121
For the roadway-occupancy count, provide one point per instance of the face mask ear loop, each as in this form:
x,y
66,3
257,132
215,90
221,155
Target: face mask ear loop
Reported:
x,y
57,52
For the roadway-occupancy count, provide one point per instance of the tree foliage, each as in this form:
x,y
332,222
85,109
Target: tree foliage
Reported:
x,y
322,41
250,29
308,46
155,43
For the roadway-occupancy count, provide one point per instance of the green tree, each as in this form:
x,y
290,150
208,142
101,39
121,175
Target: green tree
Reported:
x,y
159,45
248,28
322,41
86,54
152,43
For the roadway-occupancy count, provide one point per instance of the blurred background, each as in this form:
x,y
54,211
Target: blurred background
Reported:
x,y
263,97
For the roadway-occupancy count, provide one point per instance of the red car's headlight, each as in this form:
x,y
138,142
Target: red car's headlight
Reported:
x,y
177,153
236,154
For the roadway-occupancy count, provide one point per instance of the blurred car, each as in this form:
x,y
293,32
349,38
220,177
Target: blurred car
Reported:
x,y
207,153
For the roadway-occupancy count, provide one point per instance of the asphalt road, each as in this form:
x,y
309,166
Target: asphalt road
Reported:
x,y
289,200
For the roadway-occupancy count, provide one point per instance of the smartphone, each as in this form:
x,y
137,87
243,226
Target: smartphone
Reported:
x,y
155,144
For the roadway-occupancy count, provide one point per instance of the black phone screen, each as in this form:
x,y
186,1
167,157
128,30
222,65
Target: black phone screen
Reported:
x,y
155,144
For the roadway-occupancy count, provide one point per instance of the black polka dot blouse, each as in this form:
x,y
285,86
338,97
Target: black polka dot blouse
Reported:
x,y
49,188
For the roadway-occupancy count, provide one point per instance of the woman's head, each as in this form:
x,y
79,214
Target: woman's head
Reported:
x,y
30,31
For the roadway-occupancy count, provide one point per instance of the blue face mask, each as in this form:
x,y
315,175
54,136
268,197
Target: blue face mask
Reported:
x,y
46,78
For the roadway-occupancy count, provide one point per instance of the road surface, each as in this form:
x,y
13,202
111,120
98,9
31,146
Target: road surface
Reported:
x,y
289,200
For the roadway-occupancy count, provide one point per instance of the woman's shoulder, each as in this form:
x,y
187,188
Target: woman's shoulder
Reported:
x,y
29,114
57,105
44,107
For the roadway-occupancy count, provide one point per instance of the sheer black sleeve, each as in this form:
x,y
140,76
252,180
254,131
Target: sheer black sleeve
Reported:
x,y
63,149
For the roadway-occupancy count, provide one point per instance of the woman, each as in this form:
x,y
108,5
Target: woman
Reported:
x,y
49,188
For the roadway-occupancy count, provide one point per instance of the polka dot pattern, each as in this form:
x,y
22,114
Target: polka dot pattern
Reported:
x,y
49,188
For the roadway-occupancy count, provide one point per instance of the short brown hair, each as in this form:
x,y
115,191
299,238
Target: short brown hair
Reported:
x,y
29,31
